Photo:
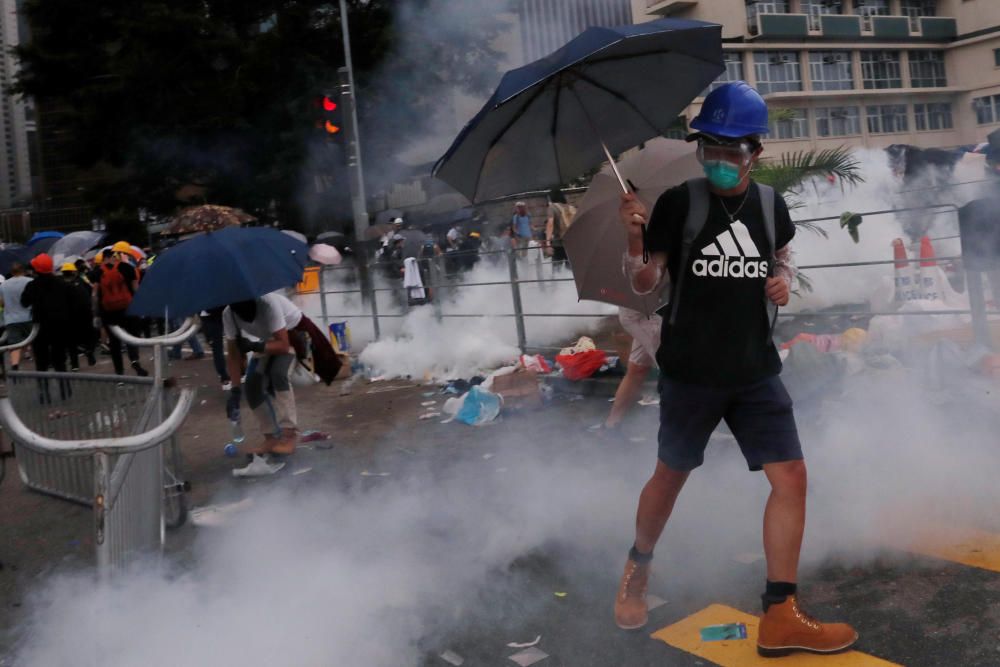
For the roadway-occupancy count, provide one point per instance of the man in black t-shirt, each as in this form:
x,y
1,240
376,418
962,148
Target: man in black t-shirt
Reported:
x,y
723,243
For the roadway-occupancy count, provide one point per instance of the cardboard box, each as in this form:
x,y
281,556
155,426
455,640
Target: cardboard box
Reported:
x,y
518,389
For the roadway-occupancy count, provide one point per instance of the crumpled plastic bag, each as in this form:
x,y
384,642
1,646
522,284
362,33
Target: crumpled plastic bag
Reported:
x,y
535,363
581,365
479,407
585,344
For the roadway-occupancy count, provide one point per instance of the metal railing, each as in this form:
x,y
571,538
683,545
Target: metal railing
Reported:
x,y
104,440
439,281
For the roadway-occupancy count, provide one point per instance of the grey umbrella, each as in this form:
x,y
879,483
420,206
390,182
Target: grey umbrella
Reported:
x,y
595,241
607,90
75,243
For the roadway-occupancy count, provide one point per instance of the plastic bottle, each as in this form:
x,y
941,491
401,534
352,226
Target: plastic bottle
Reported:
x,y
237,431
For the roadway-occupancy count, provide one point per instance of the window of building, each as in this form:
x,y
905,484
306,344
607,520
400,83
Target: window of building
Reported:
x,y
777,71
869,8
996,57
886,118
678,129
734,71
838,121
880,69
915,9
987,109
927,69
816,8
933,116
831,70
794,126
756,7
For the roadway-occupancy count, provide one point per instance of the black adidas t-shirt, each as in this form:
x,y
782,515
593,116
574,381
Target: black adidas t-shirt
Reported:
x,y
721,335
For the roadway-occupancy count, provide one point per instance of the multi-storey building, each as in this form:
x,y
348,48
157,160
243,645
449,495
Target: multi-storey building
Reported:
x,y
15,170
548,24
863,72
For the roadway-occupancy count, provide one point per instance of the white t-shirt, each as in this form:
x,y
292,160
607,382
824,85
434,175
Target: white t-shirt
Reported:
x,y
13,311
274,313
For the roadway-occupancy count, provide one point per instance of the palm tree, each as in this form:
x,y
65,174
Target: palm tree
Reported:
x,y
792,172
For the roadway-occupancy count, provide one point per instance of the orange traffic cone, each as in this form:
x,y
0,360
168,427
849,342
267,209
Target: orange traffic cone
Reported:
x,y
903,272
930,276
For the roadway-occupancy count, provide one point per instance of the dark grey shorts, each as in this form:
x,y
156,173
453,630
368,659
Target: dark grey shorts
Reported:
x,y
18,332
759,416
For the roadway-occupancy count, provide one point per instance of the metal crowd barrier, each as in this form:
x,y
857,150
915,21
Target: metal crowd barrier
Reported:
x,y
108,441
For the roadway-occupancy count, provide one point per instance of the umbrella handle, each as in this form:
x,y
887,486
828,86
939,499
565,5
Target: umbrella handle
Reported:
x,y
625,190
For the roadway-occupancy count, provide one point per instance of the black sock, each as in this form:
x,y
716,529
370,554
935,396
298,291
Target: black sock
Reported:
x,y
639,557
777,592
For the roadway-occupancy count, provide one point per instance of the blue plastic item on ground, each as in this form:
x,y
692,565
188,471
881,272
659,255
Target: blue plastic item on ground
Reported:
x,y
480,407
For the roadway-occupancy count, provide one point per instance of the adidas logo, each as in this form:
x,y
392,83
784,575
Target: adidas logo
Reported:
x,y
735,256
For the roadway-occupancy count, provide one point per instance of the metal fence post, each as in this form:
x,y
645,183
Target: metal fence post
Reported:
x,y
515,289
435,292
977,303
322,301
369,286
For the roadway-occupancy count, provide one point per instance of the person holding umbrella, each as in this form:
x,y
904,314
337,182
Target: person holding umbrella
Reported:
x,y
82,334
723,243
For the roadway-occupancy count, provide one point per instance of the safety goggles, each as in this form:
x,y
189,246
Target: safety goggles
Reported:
x,y
740,152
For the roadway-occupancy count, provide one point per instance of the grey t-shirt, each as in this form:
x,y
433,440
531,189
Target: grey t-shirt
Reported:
x,y
11,291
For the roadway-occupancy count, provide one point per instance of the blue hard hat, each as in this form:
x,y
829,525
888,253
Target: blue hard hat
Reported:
x,y
732,110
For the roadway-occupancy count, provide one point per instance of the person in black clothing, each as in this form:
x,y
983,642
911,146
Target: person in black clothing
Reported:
x,y
717,358
49,299
211,325
115,282
82,334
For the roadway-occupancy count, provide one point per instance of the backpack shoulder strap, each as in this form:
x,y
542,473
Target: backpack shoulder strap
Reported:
x,y
767,196
697,216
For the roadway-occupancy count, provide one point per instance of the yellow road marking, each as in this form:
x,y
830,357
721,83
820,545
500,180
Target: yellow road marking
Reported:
x,y
743,653
968,546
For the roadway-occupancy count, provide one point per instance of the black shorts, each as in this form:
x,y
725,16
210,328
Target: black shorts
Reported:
x,y
759,416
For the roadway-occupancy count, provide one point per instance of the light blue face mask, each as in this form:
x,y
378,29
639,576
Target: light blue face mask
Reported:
x,y
723,175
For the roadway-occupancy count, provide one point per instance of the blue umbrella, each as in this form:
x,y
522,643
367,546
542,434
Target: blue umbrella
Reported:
x,y
607,90
14,254
218,268
40,236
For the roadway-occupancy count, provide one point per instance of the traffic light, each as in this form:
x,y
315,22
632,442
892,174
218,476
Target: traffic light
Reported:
x,y
329,118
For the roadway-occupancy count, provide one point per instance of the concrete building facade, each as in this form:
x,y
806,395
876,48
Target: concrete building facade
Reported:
x,y
15,166
546,25
859,72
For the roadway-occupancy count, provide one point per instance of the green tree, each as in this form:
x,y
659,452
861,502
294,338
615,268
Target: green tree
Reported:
x,y
157,94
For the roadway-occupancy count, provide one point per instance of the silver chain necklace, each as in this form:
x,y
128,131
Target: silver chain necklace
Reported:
x,y
732,216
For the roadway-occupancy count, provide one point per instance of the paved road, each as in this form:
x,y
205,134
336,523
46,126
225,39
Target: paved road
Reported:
x,y
477,537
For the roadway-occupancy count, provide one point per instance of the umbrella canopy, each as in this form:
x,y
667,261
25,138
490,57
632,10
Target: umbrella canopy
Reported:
x,y
75,243
595,241
550,121
219,268
299,236
372,233
42,245
12,254
206,218
41,236
336,239
324,254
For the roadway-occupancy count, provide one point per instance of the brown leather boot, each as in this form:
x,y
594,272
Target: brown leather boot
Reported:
x,y
270,441
287,442
784,629
631,610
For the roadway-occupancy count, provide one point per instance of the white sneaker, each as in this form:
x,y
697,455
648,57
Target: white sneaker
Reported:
x,y
227,386
259,467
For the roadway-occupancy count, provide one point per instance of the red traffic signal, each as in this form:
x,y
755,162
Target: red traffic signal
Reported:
x,y
328,118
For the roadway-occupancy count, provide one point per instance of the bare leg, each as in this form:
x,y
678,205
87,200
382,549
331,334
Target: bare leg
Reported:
x,y
15,357
656,502
784,519
627,393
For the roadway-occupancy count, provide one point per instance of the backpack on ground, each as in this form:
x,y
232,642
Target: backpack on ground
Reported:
x,y
116,294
